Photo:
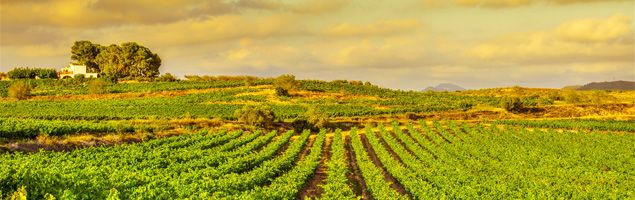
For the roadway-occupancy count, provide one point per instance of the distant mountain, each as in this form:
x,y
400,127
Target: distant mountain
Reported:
x,y
571,87
445,87
611,85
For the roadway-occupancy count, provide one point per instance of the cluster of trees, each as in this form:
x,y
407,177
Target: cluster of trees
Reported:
x,y
263,116
31,73
126,60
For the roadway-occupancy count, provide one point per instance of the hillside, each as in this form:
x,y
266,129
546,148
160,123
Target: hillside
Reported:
x,y
610,85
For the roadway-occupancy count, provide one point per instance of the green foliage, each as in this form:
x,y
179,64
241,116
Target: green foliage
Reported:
x,y
286,82
85,53
282,92
113,195
465,106
255,115
20,90
79,78
512,104
32,73
31,128
316,118
128,60
578,124
445,160
167,77
97,86
3,76
336,186
249,80
20,194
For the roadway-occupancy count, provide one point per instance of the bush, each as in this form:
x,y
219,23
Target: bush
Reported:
x,y
513,104
286,82
22,73
410,116
282,92
167,77
301,124
3,76
20,90
46,73
255,115
465,106
316,118
97,86
31,73
249,80
80,77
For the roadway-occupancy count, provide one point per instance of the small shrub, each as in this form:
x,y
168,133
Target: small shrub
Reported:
x,y
512,104
410,116
316,118
255,115
286,82
465,106
282,92
301,124
249,80
167,77
20,90
80,78
97,86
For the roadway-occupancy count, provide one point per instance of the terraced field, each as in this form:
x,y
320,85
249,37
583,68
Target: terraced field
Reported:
x,y
411,160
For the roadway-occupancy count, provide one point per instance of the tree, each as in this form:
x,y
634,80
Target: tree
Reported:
x,y
20,90
129,59
85,53
255,115
110,62
139,60
287,82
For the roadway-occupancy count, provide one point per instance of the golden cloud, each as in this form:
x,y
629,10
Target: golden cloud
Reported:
x,y
374,29
563,45
209,30
616,28
503,3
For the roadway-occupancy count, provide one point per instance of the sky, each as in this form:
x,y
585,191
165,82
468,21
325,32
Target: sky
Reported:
x,y
409,44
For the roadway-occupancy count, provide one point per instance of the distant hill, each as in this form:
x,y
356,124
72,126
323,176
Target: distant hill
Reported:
x,y
445,87
611,85
571,87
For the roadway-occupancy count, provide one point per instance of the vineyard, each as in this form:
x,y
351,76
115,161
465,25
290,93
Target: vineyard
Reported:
x,y
408,160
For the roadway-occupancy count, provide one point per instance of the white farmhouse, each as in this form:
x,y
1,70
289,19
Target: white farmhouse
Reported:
x,y
72,70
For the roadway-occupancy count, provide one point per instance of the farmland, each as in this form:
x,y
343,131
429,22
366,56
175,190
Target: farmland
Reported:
x,y
178,140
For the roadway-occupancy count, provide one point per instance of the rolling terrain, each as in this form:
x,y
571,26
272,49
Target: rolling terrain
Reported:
x,y
166,140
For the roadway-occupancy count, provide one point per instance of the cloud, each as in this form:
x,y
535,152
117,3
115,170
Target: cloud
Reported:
x,y
589,40
378,28
94,13
302,7
616,28
505,3
209,30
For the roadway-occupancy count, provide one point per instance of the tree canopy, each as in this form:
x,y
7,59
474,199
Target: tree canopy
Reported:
x,y
127,59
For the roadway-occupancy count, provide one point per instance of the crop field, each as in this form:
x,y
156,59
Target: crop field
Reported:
x,y
184,140
415,160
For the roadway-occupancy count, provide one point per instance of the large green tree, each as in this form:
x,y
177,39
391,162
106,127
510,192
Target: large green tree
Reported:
x,y
129,59
84,53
